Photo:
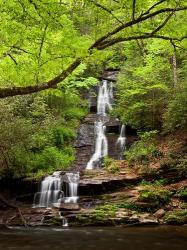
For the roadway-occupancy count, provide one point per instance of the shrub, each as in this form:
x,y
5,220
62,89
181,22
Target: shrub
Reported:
x,y
111,165
154,194
143,149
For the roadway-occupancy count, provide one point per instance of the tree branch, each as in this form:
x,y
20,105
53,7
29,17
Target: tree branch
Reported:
x,y
152,7
105,9
136,21
162,24
111,42
102,43
133,9
13,91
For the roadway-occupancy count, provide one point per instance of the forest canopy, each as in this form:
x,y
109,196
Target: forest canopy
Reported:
x,y
44,42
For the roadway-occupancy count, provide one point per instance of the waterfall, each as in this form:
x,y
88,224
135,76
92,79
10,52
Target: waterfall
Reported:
x,y
72,180
104,104
121,142
105,96
50,191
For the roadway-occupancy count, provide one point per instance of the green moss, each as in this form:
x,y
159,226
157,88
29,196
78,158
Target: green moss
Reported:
x,y
154,194
105,211
176,217
182,193
53,221
111,165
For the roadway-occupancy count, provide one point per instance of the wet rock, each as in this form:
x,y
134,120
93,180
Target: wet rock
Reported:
x,y
159,213
85,135
149,221
110,75
69,207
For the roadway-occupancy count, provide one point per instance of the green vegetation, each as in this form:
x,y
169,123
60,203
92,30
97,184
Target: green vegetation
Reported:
x,y
176,217
37,132
157,195
182,193
143,149
111,165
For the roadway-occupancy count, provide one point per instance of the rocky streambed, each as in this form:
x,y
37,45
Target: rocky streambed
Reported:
x,y
107,199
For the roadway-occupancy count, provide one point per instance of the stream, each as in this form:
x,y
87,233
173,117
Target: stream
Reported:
x,y
107,238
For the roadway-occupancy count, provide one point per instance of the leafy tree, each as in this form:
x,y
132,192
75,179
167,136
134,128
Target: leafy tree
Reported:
x,y
52,41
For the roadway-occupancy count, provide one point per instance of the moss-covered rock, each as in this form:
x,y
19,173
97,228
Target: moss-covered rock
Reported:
x,y
178,217
155,195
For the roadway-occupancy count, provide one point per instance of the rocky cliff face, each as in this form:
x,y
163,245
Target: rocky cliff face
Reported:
x,y
85,141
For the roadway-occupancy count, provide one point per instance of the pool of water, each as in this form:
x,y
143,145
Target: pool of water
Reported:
x,y
129,238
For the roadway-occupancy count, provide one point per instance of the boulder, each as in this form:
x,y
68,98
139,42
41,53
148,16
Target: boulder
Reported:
x,y
69,207
159,213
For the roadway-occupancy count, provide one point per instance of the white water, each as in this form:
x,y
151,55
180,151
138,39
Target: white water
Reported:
x,y
104,104
50,191
72,179
121,142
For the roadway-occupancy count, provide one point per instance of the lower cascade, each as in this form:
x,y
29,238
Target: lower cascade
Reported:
x,y
51,193
72,181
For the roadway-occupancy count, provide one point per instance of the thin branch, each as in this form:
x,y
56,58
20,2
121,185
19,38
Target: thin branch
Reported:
x,y
163,24
152,7
106,9
40,51
133,9
12,58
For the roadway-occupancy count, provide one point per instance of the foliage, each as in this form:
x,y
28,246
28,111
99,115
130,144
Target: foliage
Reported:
x,y
105,211
143,149
111,165
52,34
182,193
176,217
37,132
176,114
157,195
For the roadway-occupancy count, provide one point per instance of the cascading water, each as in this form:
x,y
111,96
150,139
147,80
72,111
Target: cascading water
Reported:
x,y
121,142
50,191
72,180
104,104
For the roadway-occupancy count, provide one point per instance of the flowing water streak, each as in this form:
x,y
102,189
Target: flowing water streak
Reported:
x,y
121,142
50,191
104,104
72,179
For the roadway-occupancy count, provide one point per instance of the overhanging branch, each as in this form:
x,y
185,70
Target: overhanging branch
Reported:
x,y
111,42
102,43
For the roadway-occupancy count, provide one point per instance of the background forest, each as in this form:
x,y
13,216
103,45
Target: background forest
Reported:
x,y
51,51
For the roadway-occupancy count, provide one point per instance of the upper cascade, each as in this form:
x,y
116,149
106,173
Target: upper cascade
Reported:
x,y
104,105
105,98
